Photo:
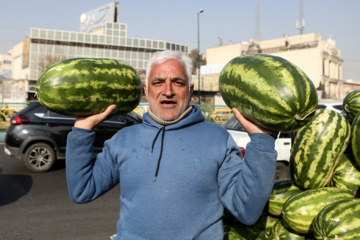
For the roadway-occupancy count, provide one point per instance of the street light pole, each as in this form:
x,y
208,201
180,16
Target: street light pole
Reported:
x,y
198,52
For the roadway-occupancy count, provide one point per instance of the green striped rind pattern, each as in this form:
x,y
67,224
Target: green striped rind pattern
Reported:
x,y
301,209
317,148
86,86
346,175
355,139
279,232
351,104
339,220
243,232
268,90
282,190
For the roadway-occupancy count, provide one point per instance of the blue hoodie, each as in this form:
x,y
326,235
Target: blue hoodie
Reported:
x,y
200,170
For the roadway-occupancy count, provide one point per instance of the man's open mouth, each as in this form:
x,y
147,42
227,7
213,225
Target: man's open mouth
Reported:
x,y
168,103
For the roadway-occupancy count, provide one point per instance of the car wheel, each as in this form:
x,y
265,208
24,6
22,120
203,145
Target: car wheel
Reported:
x,y
282,170
39,157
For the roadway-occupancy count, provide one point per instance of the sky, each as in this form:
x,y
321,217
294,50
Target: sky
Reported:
x,y
233,21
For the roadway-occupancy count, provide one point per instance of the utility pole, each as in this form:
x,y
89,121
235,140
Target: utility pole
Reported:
x,y
257,23
300,24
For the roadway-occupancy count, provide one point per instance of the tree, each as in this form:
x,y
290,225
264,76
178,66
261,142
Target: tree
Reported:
x,y
194,56
49,59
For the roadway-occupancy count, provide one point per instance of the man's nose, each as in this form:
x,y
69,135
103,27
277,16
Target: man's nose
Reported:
x,y
168,91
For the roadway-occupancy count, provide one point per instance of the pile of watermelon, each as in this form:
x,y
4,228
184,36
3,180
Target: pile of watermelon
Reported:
x,y
322,198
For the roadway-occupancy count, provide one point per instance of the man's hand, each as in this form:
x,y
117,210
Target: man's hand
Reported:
x,y
249,126
91,121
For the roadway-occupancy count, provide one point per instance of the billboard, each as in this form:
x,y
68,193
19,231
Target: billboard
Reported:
x,y
97,18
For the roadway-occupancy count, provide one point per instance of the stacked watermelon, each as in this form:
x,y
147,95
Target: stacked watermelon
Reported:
x,y
322,198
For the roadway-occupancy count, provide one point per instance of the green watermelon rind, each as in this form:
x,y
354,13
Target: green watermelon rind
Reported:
x,y
317,148
351,104
338,220
355,139
268,90
346,175
87,86
300,210
282,190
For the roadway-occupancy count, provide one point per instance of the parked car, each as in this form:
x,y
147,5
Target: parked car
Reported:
x,y
282,145
336,106
38,136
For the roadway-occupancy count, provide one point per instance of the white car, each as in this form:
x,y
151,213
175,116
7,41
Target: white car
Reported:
x,y
335,106
282,145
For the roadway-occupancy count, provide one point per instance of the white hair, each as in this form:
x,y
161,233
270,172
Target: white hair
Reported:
x,y
163,56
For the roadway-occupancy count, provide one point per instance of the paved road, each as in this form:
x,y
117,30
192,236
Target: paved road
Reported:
x,y
36,206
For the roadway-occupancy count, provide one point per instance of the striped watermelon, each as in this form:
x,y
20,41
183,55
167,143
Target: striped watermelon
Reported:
x,y
279,232
301,209
317,148
339,220
351,104
268,90
282,190
243,232
86,86
346,175
355,139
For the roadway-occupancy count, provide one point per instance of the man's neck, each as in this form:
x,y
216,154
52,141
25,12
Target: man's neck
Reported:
x,y
165,122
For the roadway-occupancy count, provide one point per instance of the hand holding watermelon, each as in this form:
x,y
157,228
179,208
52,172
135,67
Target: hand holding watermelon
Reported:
x,y
92,121
248,125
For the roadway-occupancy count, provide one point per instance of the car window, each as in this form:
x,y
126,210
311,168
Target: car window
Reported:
x,y
320,106
284,135
57,115
233,124
338,107
117,118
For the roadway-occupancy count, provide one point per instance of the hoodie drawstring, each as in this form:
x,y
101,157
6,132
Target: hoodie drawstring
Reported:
x,y
161,149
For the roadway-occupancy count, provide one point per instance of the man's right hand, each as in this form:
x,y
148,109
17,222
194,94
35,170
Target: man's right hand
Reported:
x,y
92,121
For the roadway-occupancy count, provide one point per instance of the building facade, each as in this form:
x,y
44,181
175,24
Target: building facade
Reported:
x,y
320,60
44,47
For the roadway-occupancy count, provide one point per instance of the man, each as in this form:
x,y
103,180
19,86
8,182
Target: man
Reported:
x,y
176,171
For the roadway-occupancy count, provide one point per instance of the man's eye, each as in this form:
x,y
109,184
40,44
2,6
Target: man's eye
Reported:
x,y
180,83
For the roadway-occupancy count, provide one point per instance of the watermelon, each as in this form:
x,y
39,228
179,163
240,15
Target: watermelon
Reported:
x,y
243,232
87,86
317,148
269,91
346,175
282,190
279,232
355,139
351,104
301,209
340,220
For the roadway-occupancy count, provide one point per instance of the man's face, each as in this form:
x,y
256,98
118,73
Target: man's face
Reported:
x,y
168,90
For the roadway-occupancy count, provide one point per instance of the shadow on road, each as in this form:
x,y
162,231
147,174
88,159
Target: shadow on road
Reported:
x,y
12,187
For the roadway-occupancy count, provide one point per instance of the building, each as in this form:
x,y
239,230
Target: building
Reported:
x,y
320,60
101,36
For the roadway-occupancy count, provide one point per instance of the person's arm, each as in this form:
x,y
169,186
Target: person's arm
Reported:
x,y
245,185
86,180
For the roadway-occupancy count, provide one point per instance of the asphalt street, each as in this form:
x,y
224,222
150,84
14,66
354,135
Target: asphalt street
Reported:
x,y
36,206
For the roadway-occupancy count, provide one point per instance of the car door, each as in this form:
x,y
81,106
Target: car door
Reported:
x,y
57,127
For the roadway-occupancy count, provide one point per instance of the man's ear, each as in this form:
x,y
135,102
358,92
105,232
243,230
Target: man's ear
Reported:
x,y
145,91
191,89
